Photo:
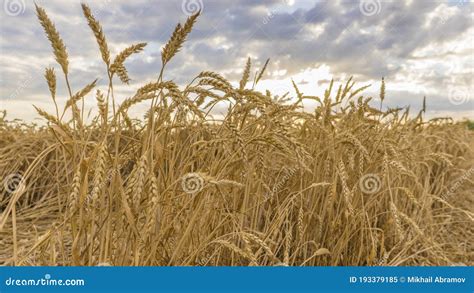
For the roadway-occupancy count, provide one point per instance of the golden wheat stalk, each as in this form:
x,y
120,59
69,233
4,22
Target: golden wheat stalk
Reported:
x,y
273,185
57,43
80,94
177,38
98,33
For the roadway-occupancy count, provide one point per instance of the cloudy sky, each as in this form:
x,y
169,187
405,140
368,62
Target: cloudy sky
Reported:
x,y
421,47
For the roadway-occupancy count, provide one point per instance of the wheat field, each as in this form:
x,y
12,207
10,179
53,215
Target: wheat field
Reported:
x,y
268,184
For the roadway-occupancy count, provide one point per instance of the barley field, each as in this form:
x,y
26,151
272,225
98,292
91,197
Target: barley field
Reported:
x,y
268,184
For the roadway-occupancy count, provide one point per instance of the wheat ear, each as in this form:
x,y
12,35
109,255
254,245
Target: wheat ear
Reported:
x,y
80,94
246,74
51,80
